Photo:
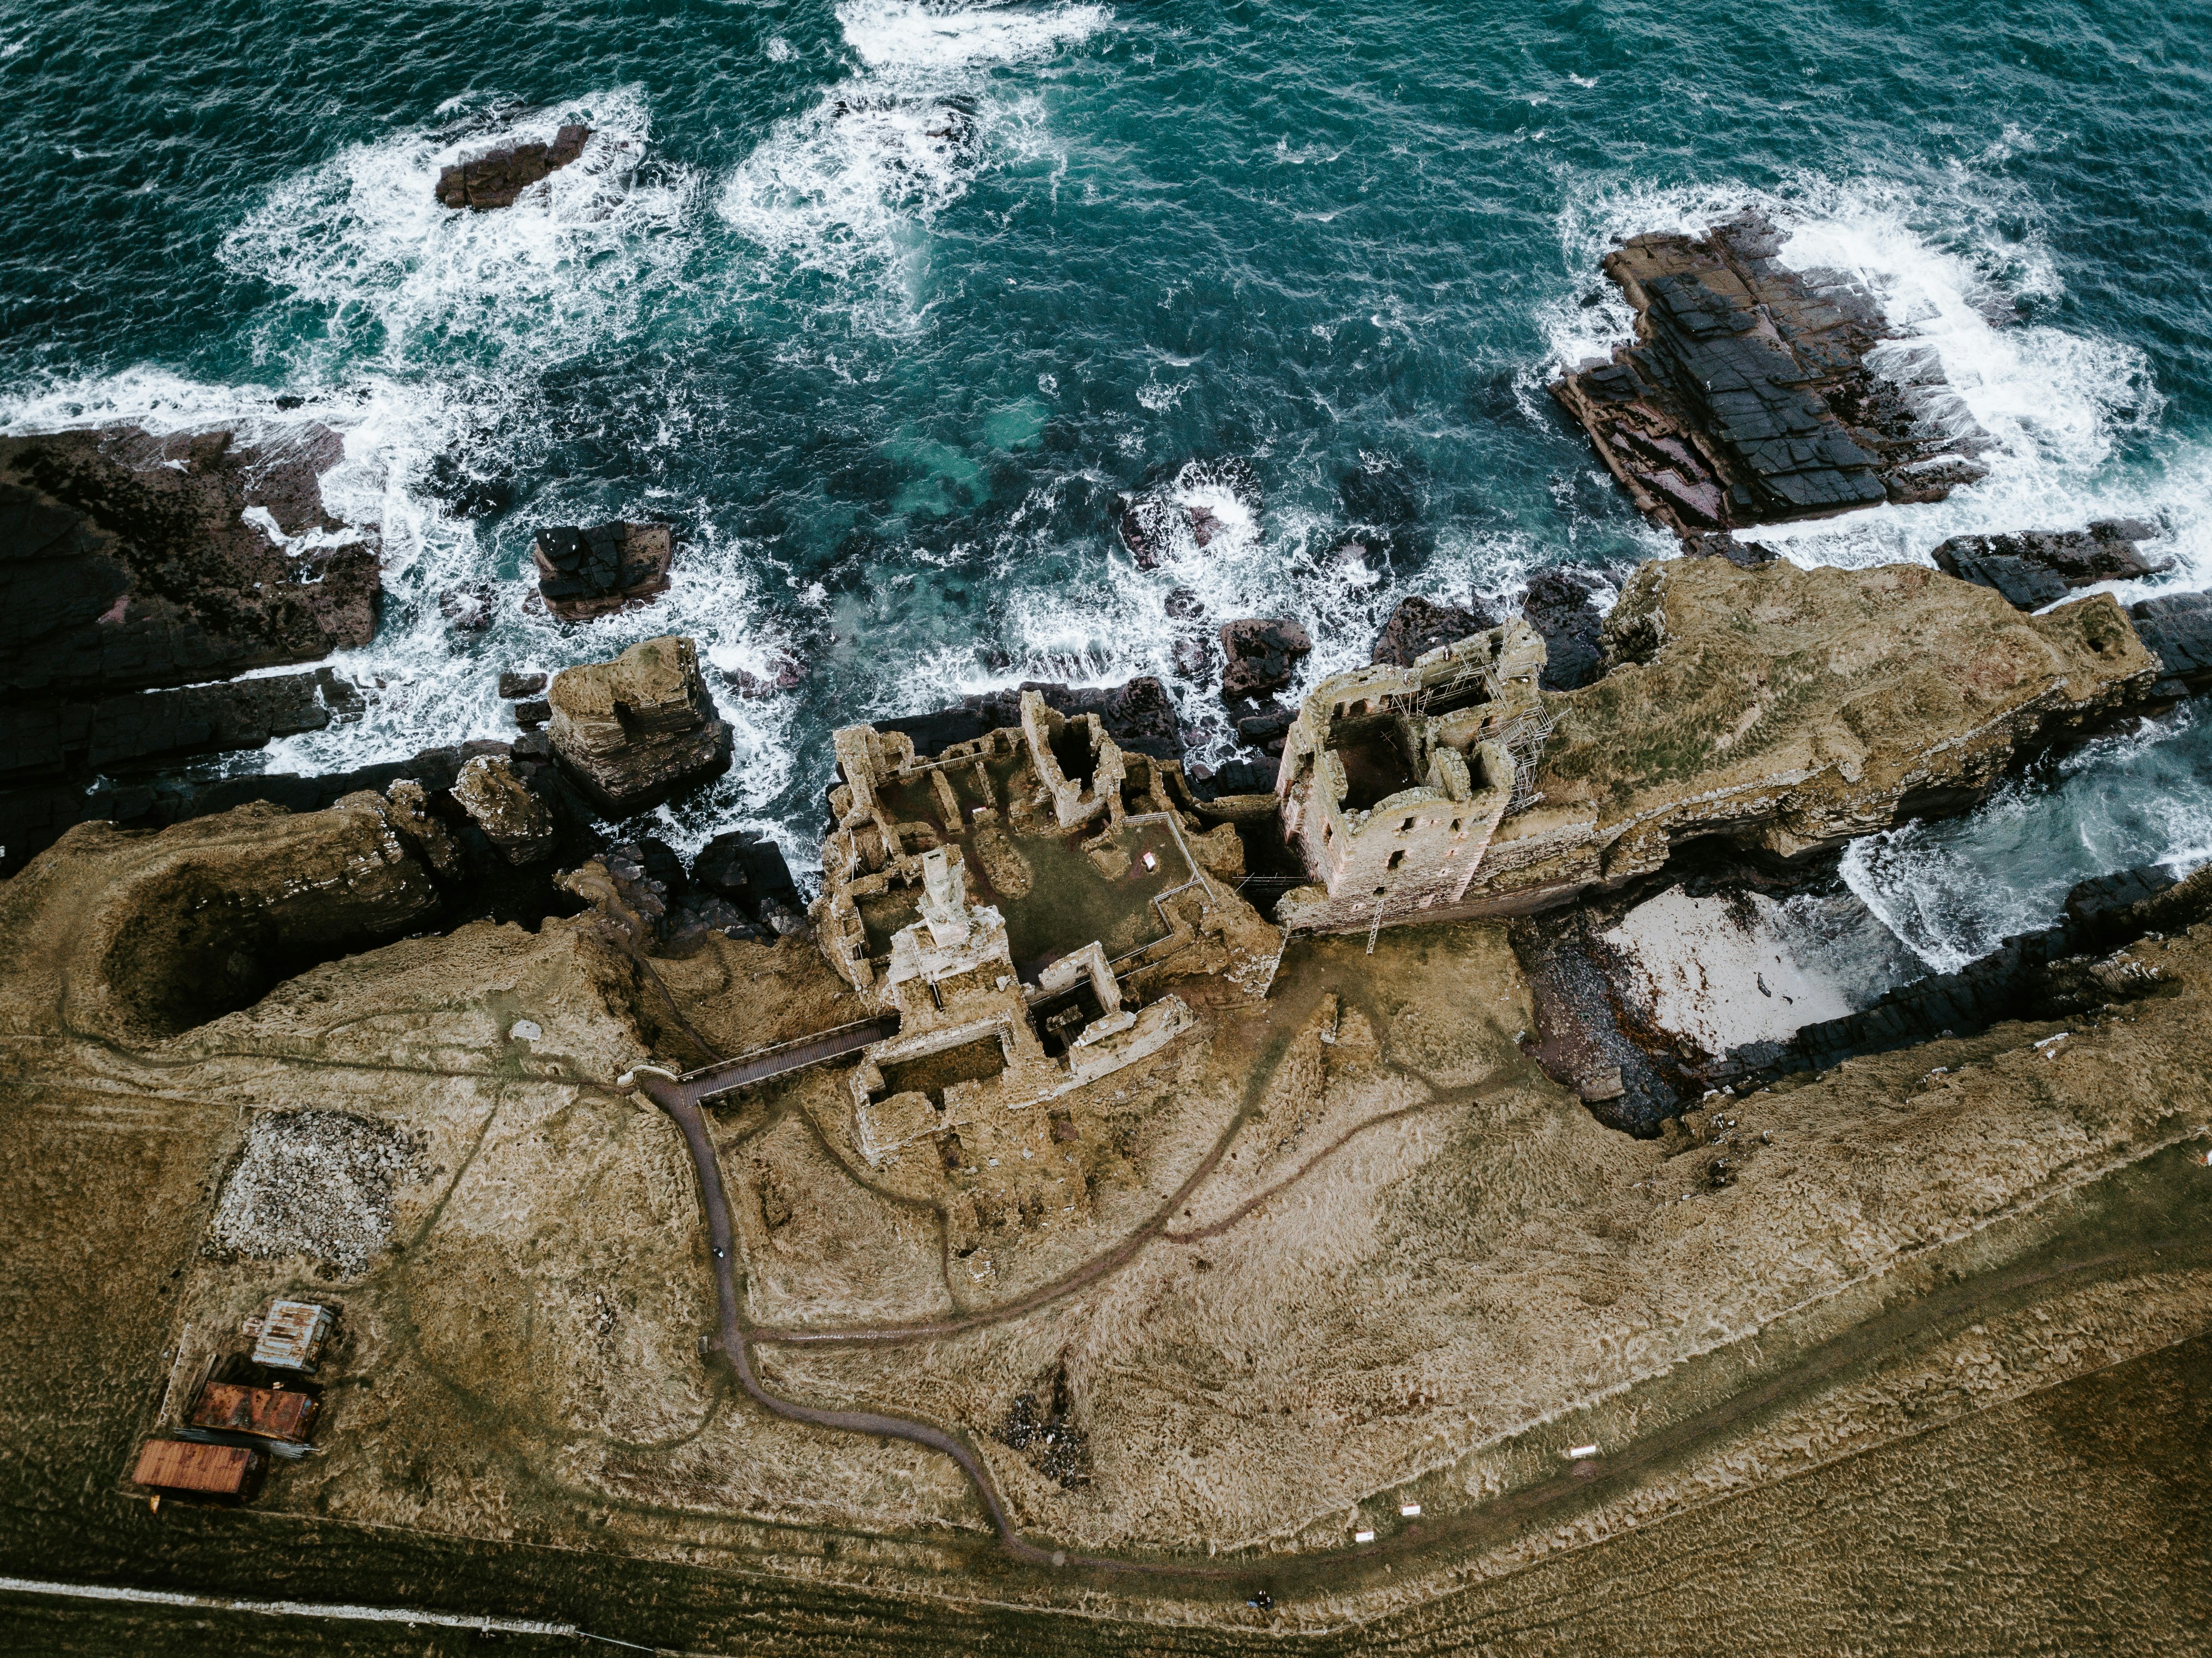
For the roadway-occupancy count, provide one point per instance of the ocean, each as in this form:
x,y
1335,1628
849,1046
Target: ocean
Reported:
x,y
886,305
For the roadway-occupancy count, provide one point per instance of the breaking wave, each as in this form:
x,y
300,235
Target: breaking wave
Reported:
x,y
1954,889
849,187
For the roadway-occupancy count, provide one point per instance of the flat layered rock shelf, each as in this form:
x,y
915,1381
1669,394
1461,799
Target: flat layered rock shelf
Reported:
x,y
1754,393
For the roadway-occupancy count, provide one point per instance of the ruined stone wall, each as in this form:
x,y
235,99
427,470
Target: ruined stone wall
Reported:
x,y
1415,847
1409,853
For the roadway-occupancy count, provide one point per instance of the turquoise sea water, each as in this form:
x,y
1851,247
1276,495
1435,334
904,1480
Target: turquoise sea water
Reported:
x,y
885,305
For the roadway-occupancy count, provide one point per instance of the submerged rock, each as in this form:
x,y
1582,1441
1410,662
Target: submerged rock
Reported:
x,y
472,607
2036,568
780,673
467,493
1263,653
1420,625
1154,524
586,572
1384,501
640,729
1746,397
495,178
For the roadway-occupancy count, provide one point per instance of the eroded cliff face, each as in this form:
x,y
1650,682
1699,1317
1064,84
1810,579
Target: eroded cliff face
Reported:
x,y
1789,710
137,938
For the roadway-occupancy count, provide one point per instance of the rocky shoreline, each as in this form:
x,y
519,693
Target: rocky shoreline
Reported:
x,y
140,571
1730,716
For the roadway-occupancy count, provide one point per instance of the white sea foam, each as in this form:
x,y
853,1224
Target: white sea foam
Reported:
x,y
435,328
850,186
1954,889
1946,258
408,282
901,35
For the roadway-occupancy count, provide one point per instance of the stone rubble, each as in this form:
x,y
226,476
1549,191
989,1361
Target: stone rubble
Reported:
x,y
316,1185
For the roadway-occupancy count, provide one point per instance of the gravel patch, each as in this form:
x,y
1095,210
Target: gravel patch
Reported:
x,y
314,1183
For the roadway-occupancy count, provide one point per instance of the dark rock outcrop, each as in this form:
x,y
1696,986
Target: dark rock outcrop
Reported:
x,y
54,739
2036,568
513,683
744,869
1420,625
641,888
1746,397
2177,628
1263,652
129,573
1236,777
585,573
1562,609
640,729
126,561
495,178
1153,523
1269,725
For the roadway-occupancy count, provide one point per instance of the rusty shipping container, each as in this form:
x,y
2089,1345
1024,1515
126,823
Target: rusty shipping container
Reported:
x,y
286,1413
292,1335
179,1465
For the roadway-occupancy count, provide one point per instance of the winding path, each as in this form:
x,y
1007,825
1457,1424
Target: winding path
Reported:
x,y
1493,1521
672,1096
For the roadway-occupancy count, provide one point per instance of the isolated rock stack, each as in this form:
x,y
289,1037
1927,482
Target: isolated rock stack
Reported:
x,y
637,730
495,178
1746,399
586,573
